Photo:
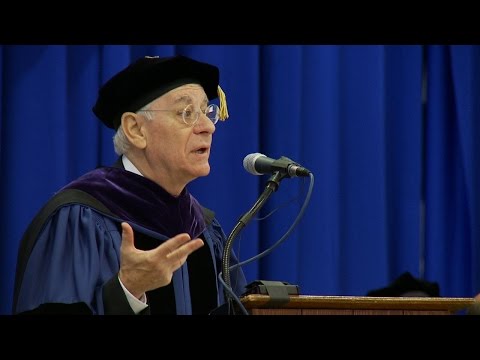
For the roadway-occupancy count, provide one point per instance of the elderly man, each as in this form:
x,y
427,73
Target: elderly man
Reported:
x,y
131,239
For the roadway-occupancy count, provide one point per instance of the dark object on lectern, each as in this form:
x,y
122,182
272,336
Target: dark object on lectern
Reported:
x,y
408,286
278,291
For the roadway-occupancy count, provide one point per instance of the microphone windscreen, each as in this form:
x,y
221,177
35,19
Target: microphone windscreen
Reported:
x,y
249,163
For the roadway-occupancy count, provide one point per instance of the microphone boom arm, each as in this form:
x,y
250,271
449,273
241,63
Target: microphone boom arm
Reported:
x,y
272,185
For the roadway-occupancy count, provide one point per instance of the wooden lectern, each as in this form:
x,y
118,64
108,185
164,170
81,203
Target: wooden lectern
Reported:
x,y
355,305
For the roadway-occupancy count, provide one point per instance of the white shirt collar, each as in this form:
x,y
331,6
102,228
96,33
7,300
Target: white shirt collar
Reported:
x,y
128,165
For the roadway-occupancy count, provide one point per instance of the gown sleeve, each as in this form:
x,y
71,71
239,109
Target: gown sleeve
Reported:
x,y
73,266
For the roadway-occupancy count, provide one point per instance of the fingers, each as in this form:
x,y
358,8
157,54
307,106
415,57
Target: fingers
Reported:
x,y
179,247
174,243
178,256
176,248
185,249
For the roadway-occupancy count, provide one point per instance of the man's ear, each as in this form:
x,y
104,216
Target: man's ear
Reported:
x,y
132,126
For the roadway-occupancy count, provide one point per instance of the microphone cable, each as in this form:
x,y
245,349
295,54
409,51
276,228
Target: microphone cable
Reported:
x,y
225,279
287,233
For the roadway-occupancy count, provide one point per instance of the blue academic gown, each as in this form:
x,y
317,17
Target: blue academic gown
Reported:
x,y
82,245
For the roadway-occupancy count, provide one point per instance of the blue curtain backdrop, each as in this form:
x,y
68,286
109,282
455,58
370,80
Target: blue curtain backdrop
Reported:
x,y
390,133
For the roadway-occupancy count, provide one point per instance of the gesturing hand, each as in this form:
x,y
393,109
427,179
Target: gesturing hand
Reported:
x,y
141,271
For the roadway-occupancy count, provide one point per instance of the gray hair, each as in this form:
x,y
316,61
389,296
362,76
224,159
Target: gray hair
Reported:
x,y
121,144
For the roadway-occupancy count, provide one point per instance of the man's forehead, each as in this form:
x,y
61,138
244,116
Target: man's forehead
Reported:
x,y
186,93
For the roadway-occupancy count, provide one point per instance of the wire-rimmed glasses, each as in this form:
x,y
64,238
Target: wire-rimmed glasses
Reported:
x,y
190,116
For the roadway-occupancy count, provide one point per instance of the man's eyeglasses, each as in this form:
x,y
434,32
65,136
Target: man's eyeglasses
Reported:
x,y
190,116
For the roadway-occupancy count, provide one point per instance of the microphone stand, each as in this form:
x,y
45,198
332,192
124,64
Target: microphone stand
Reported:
x,y
272,185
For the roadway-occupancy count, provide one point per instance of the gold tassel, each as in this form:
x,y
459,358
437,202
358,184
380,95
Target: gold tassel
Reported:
x,y
223,104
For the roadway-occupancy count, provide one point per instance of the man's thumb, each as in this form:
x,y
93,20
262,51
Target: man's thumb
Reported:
x,y
127,235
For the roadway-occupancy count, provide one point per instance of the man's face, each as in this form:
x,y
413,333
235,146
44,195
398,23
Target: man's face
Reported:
x,y
177,152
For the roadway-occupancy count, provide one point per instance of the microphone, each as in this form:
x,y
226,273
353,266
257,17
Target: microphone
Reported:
x,y
259,164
